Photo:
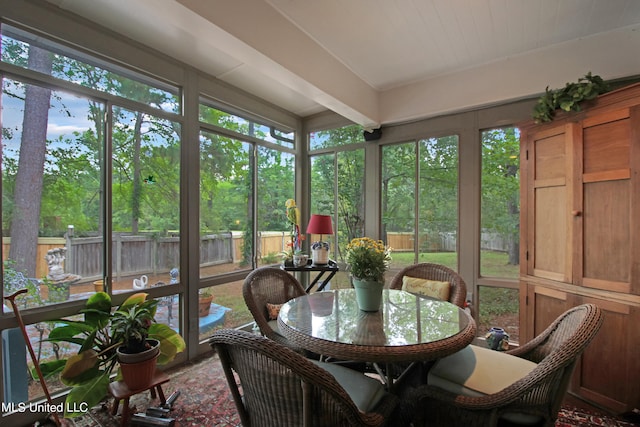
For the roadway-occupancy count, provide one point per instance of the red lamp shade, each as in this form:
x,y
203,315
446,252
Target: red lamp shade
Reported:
x,y
320,224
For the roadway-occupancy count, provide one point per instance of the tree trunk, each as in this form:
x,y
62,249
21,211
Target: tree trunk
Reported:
x,y
25,223
137,170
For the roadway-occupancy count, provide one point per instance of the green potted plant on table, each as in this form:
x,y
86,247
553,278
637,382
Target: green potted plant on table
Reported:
x,y
99,336
367,261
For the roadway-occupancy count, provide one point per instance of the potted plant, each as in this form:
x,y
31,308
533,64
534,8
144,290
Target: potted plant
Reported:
x,y
99,334
204,302
295,244
368,260
138,353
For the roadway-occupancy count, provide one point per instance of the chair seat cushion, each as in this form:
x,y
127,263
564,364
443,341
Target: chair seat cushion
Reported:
x,y
476,371
365,392
430,288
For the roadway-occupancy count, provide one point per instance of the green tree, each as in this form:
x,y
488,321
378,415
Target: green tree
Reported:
x,y
501,186
343,169
30,172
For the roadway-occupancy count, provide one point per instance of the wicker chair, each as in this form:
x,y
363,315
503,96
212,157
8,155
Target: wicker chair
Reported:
x,y
275,386
535,398
274,286
425,270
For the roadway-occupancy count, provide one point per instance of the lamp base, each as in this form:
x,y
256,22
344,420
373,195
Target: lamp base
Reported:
x,y
320,256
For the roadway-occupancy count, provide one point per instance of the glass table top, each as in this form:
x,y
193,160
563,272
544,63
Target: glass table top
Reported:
x,y
404,319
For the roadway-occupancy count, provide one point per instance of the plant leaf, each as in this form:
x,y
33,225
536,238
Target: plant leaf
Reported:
x,y
171,342
78,364
49,368
87,395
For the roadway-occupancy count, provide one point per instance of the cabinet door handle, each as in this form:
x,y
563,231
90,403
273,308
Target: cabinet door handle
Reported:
x,y
576,213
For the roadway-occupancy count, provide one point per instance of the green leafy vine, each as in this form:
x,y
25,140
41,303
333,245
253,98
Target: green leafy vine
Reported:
x,y
569,97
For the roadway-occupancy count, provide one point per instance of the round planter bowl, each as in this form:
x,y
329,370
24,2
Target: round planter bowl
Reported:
x,y
204,306
138,368
368,294
139,357
138,376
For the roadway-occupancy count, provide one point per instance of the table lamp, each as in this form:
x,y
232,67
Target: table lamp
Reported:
x,y
320,224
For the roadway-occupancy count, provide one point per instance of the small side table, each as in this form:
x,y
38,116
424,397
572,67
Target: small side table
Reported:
x,y
120,391
331,268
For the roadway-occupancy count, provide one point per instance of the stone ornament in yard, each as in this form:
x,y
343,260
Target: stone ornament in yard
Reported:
x,y
54,258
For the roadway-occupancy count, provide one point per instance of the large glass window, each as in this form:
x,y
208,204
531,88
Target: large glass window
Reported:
x,y
432,236
236,123
399,202
276,185
52,163
438,204
238,159
343,170
225,204
145,200
67,154
500,228
500,215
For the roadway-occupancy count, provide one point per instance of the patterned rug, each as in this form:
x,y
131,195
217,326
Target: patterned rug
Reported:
x,y
205,401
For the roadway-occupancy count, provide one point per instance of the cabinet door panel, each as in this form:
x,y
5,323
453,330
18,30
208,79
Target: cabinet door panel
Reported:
x,y
549,198
607,242
606,147
543,306
606,256
609,362
550,233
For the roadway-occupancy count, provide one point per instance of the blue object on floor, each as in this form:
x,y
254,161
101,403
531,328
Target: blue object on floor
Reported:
x,y
214,318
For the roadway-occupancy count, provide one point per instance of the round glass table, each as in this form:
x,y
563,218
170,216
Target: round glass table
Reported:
x,y
407,328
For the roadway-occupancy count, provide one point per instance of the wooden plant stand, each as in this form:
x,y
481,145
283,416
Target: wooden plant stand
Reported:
x,y
120,391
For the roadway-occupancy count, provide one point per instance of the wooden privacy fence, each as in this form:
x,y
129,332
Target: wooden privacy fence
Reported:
x,y
134,255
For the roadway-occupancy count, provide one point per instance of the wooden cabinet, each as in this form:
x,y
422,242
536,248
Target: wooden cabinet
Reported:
x,y
580,237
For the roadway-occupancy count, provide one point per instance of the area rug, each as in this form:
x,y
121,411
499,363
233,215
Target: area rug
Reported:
x,y
204,400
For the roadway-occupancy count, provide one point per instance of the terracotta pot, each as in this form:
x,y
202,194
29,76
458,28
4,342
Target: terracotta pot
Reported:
x,y
138,376
98,285
138,368
204,305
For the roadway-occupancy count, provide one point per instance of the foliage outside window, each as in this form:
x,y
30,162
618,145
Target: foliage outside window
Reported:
x,y
276,185
342,169
18,48
339,137
500,214
436,201
500,223
217,117
54,181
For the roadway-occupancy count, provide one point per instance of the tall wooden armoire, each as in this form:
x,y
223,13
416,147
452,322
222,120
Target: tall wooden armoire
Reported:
x,y
580,237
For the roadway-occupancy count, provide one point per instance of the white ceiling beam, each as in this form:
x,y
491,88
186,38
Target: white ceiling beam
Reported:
x,y
257,35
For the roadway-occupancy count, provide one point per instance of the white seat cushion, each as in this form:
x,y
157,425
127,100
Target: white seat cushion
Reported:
x,y
365,392
478,369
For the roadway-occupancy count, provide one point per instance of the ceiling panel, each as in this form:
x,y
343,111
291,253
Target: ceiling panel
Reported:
x,y
344,55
